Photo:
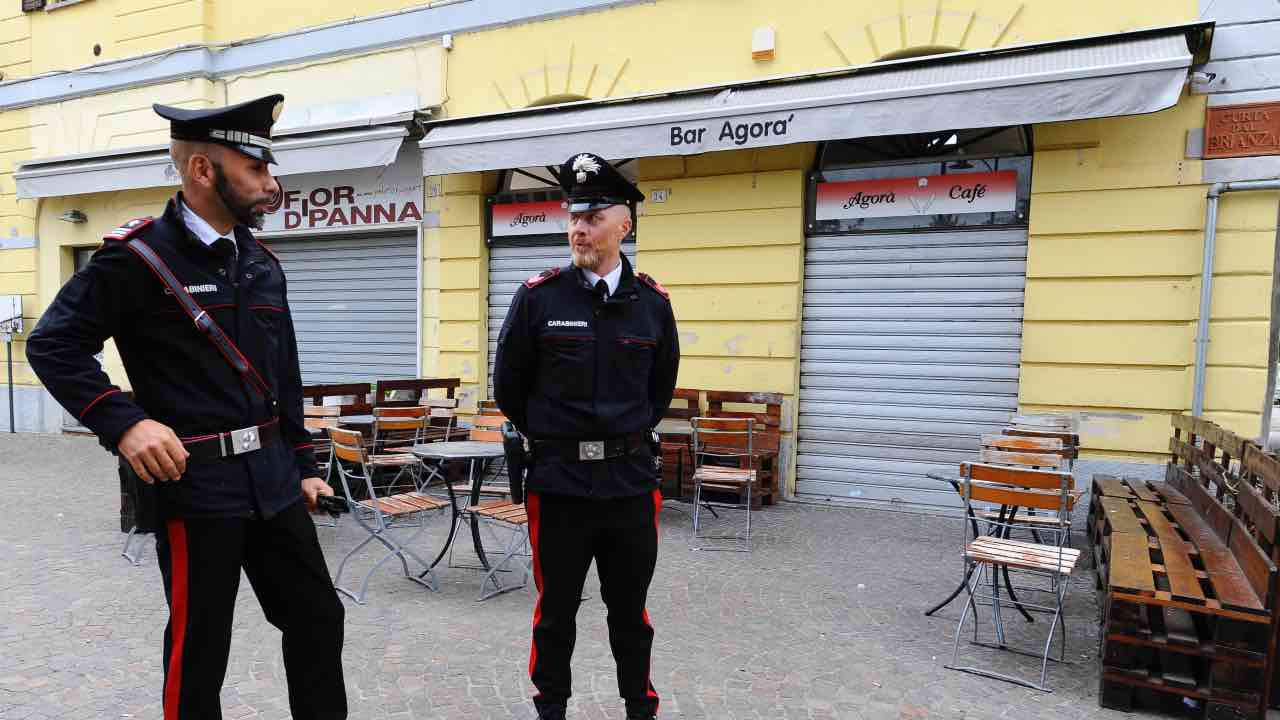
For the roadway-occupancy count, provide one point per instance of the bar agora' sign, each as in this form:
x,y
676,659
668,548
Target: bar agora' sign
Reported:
x,y
1242,130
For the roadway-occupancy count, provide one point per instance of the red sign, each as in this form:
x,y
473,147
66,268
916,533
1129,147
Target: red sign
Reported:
x,y
529,218
922,195
1242,130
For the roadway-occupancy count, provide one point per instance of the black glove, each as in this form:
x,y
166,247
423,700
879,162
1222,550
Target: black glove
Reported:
x,y
517,460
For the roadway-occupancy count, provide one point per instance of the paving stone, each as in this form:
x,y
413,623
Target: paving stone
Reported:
x,y
822,619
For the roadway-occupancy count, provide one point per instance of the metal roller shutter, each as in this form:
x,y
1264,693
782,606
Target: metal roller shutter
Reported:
x,y
354,300
512,264
909,352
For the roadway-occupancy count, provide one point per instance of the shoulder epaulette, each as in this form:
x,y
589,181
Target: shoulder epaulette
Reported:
x,y
541,277
268,251
129,229
657,286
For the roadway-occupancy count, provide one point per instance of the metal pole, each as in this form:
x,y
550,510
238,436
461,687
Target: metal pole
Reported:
x,y
1206,297
9,352
1206,280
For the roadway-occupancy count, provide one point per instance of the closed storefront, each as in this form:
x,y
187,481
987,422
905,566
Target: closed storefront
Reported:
x,y
912,315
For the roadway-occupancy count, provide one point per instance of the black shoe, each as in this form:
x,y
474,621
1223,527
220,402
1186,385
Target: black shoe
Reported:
x,y
551,713
641,715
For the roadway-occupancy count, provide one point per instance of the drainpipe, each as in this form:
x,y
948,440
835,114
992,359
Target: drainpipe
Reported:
x,y
1206,278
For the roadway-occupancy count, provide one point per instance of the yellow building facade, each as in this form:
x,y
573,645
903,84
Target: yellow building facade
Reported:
x,y
1114,228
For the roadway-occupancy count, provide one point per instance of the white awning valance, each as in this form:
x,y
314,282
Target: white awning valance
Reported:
x,y
151,167
1121,74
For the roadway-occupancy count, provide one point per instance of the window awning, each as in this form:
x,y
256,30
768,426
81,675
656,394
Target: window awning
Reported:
x,y
150,167
1119,74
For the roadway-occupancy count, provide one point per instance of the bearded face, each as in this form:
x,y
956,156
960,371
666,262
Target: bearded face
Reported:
x,y
595,237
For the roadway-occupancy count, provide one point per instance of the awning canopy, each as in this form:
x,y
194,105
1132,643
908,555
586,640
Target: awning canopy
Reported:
x,y
150,167
1120,74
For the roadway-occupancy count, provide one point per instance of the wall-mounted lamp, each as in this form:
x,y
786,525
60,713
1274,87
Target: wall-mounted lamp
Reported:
x,y
74,216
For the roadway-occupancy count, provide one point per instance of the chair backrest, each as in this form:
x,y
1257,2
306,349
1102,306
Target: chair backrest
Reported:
x,y
314,396
715,437
764,408
1019,477
398,427
486,428
489,407
1048,453
1016,487
685,404
348,445
441,412
1070,440
416,389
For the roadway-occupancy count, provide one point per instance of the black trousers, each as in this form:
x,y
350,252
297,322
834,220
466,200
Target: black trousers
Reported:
x,y
200,561
621,535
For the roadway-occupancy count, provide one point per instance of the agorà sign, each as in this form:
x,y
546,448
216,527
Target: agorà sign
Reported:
x,y
921,195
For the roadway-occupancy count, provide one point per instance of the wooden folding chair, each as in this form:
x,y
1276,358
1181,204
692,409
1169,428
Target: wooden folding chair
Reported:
x,y
516,553
353,397
378,514
727,441
395,431
1015,488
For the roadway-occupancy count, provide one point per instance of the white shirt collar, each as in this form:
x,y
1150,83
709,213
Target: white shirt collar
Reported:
x,y
612,279
201,227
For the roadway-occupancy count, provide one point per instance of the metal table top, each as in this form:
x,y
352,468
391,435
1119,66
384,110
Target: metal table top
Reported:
x,y
458,450
355,420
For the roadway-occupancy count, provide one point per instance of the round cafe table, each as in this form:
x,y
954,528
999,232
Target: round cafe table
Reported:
x,y
472,451
360,423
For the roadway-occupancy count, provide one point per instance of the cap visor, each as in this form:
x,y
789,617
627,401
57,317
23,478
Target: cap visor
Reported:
x,y
579,206
253,151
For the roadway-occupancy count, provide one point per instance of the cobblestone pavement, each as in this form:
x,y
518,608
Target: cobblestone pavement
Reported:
x,y
823,619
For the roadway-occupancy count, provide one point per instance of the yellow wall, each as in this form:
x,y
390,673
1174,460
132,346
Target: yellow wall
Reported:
x,y
613,53
38,42
455,280
1113,283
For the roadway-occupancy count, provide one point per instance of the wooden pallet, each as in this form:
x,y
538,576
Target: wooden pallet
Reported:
x,y
1185,609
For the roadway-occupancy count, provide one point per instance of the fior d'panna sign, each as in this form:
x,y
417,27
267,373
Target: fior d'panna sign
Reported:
x,y
921,195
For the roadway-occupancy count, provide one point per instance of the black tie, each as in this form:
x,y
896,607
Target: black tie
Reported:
x,y
602,289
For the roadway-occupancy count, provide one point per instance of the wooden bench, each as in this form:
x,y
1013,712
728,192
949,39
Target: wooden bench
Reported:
x,y
359,392
1188,592
417,389
677,460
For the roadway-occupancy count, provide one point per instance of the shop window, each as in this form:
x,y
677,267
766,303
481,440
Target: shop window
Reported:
x,y
1001,154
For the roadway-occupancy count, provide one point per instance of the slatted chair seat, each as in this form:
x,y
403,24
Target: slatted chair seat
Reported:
x,y
406,503
465,488
723,478
394,460
499,510
1022,554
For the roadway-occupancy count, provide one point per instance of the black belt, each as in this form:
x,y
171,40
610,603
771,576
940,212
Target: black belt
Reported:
x,y
590,450
233,442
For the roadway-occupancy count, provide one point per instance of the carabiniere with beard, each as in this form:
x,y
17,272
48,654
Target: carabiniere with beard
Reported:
x,y
214,430
585,369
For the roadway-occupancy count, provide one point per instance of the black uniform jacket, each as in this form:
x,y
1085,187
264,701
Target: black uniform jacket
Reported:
x,y
573,367
178,376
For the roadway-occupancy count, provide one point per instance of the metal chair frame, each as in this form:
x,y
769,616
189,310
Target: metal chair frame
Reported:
x,y
349,449
721,427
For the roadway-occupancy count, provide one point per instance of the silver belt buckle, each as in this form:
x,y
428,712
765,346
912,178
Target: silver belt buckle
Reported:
x,y
246,440
591,450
